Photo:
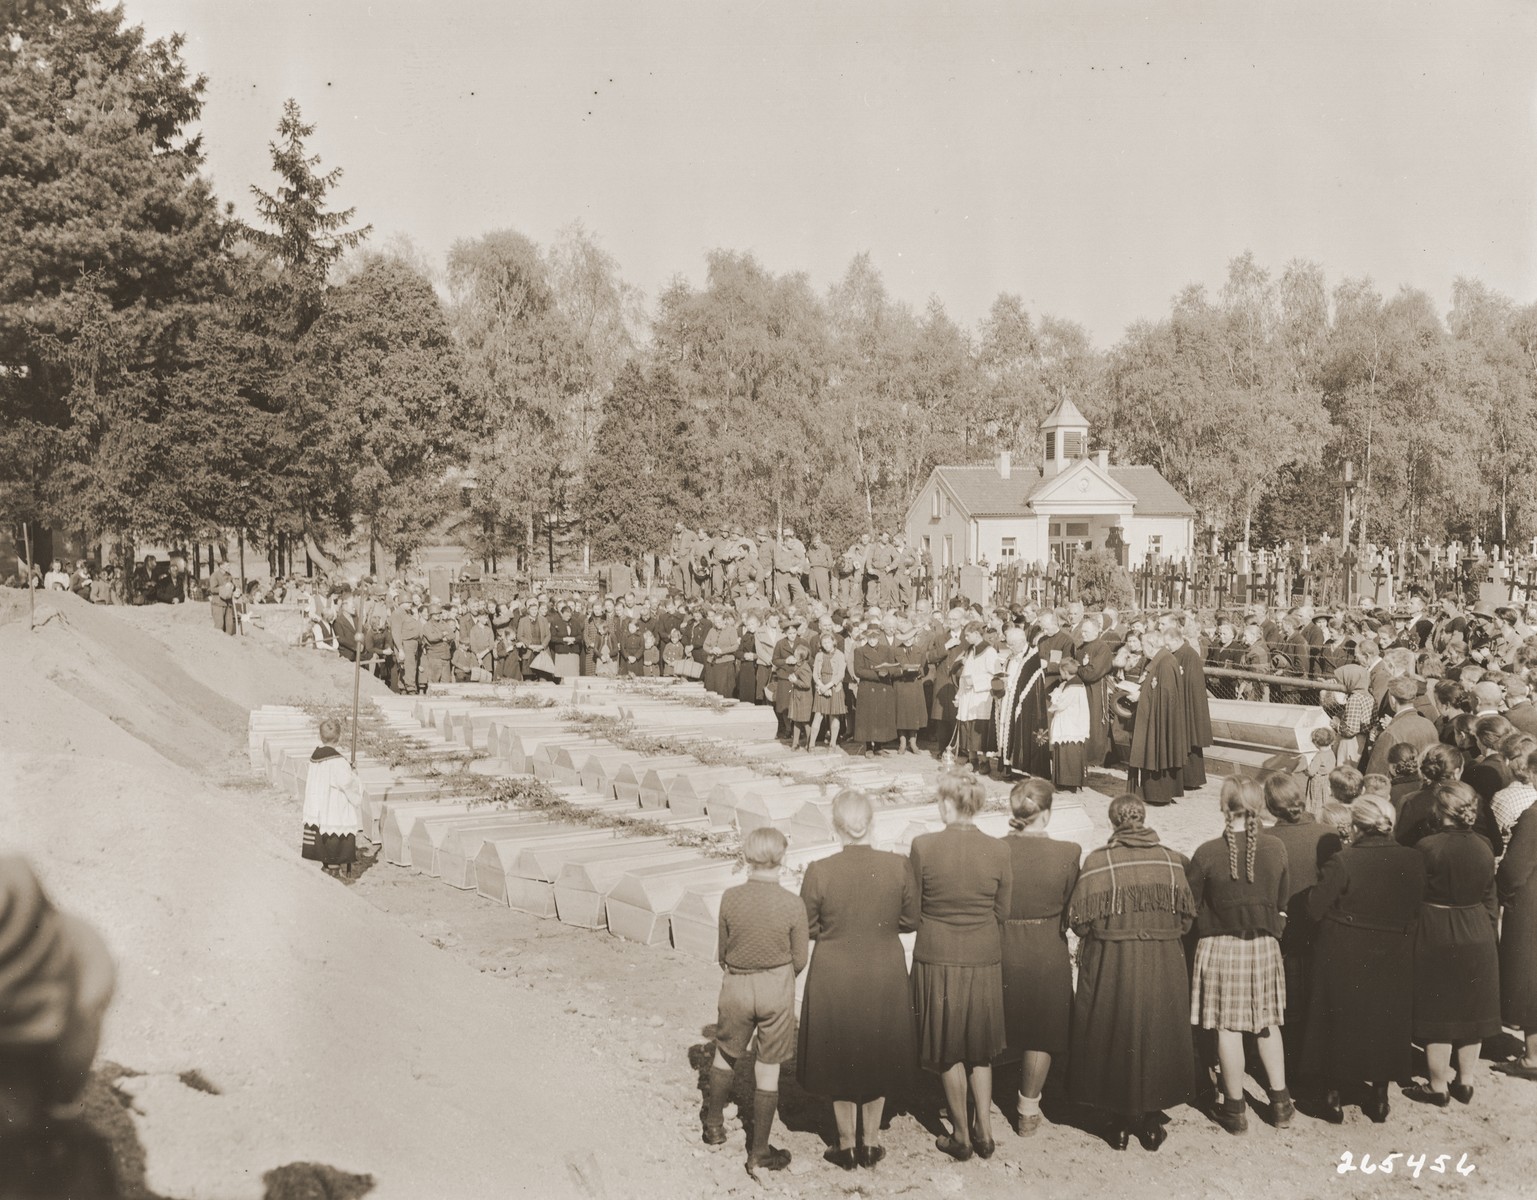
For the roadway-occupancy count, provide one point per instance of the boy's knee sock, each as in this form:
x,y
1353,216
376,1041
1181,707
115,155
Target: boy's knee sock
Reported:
x,y
764,1106
717,1096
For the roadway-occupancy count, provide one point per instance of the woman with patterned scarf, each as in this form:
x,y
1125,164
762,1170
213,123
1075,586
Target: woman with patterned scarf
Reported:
x,y
1131,1051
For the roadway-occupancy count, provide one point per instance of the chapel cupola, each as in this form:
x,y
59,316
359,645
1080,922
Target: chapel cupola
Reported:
x,y
1065,438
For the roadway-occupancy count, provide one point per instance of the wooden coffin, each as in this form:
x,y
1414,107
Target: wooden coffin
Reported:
x,y
641,901
584,883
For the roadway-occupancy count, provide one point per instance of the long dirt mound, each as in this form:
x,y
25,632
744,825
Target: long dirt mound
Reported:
x,y
318,1029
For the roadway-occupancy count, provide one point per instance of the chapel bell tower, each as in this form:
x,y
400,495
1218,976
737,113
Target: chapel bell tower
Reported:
x,y
1064,437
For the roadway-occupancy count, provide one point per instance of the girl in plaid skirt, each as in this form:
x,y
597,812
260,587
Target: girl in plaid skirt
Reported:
x,y
1241,884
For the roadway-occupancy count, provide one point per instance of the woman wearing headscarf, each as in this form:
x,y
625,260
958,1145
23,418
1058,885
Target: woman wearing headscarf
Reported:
x,y
857,1040
747,662
964,882
1456,950
1037,974
1361,1010
566,643
1131,1052
1241,886
1354,712
720,649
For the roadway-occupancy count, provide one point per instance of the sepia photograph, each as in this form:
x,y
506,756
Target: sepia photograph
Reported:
x,y
667,600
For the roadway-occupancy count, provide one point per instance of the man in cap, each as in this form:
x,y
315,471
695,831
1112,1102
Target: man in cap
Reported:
x,y
881,572
1519,709
679,550
1405,725
904,563
819,563
789,566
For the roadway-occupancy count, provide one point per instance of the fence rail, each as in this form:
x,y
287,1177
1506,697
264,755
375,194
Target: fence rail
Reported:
x,y
1229,683
1219,581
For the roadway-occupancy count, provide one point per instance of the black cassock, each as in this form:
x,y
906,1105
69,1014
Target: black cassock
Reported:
x,y
1096,660
1160,739
1023,723
1197,713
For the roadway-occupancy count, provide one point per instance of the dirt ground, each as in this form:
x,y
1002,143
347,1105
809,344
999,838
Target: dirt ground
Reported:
x,y
425,1043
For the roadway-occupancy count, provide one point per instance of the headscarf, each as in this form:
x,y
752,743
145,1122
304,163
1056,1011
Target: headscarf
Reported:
x,y
1355,677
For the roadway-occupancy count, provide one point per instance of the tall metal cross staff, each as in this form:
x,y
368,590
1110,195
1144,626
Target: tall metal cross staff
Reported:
x,y
26,536
359,624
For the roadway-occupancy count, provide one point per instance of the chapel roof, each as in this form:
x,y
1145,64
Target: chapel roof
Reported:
x,y
982,492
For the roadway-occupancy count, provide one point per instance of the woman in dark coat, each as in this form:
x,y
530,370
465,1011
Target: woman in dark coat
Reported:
x,y
747,662
964,880
1456,952
912,715
566,644
1309,844
875,709
1131,1050
857,1040
1517,882
720,648
1037,974
1361,1010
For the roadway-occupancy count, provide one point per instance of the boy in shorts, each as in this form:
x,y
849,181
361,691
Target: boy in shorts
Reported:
x,y
763,947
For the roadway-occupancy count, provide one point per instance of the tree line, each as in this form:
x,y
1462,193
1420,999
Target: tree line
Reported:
x,y
169,370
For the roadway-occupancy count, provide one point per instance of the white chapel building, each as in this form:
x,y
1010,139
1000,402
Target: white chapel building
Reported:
x,y
1049,511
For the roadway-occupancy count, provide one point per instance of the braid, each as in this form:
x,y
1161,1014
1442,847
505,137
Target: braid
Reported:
x,y
1251,842
1232,847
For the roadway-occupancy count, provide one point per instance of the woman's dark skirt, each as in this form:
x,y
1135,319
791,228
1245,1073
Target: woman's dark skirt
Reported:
x,y
829,706
331,849
1360,1005
720,677
800,705
960,1014
1518,964
857,1035
1037,988
912,709
747,682
1456,975
1131,1049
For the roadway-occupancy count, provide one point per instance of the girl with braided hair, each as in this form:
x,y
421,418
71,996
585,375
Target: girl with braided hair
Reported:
x,y
1241,884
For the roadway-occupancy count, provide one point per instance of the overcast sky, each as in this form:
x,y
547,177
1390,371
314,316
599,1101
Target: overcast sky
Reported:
x,y
1093,158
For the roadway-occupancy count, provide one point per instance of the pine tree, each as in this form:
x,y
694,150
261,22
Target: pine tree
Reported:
x,y
304,238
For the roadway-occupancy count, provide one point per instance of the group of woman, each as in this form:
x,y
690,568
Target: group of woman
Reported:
x,y
1358,947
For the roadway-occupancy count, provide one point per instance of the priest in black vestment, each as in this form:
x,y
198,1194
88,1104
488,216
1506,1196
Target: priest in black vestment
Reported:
x,y
1096,663
1022,724
1197,706
1160,739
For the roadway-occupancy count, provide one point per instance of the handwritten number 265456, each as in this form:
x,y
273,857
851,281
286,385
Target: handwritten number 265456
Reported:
x,y
1413,1164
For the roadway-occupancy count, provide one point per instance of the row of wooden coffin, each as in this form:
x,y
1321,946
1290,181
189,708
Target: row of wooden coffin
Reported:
x,y
548,746
646,889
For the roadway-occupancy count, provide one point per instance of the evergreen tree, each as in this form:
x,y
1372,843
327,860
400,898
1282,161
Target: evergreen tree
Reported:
x,y
110,254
